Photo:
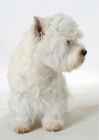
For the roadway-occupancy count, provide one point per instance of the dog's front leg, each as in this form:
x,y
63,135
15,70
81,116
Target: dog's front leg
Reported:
x,y
21,114
53,119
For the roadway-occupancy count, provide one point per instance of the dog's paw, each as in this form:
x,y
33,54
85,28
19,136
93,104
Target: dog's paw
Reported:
x,y
52,126
21,130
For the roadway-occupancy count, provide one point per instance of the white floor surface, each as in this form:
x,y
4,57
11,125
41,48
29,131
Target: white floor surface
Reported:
x,y
81,119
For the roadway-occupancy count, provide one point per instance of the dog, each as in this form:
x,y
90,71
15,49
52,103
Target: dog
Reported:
x,y
38,87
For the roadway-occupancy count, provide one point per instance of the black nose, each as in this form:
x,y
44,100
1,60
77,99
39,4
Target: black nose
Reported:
x,y
83,52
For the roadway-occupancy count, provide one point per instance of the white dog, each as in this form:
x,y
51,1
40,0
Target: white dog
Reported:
x,y
35,77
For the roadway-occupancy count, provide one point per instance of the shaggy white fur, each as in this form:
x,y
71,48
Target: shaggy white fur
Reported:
x,y
35,72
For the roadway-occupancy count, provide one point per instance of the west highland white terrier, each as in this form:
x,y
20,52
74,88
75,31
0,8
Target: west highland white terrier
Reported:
x,y
38,87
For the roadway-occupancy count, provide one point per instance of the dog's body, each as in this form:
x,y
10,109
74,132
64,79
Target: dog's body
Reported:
x,y
35,72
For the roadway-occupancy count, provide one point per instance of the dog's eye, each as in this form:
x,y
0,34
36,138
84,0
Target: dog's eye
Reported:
x,y
68,41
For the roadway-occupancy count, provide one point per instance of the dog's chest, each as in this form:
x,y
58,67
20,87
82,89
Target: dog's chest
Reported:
x,y
38,79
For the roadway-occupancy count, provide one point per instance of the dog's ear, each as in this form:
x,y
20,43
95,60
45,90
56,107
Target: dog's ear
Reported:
x,y
80,34
38,26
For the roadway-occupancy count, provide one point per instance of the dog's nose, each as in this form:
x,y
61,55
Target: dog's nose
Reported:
x,y
83,52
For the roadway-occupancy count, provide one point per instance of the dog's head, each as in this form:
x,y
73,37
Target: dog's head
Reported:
x,y
56,41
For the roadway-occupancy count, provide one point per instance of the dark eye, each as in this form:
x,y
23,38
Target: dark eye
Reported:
x,y
68,42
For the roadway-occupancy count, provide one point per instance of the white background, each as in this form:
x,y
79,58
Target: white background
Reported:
x,y
16,16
